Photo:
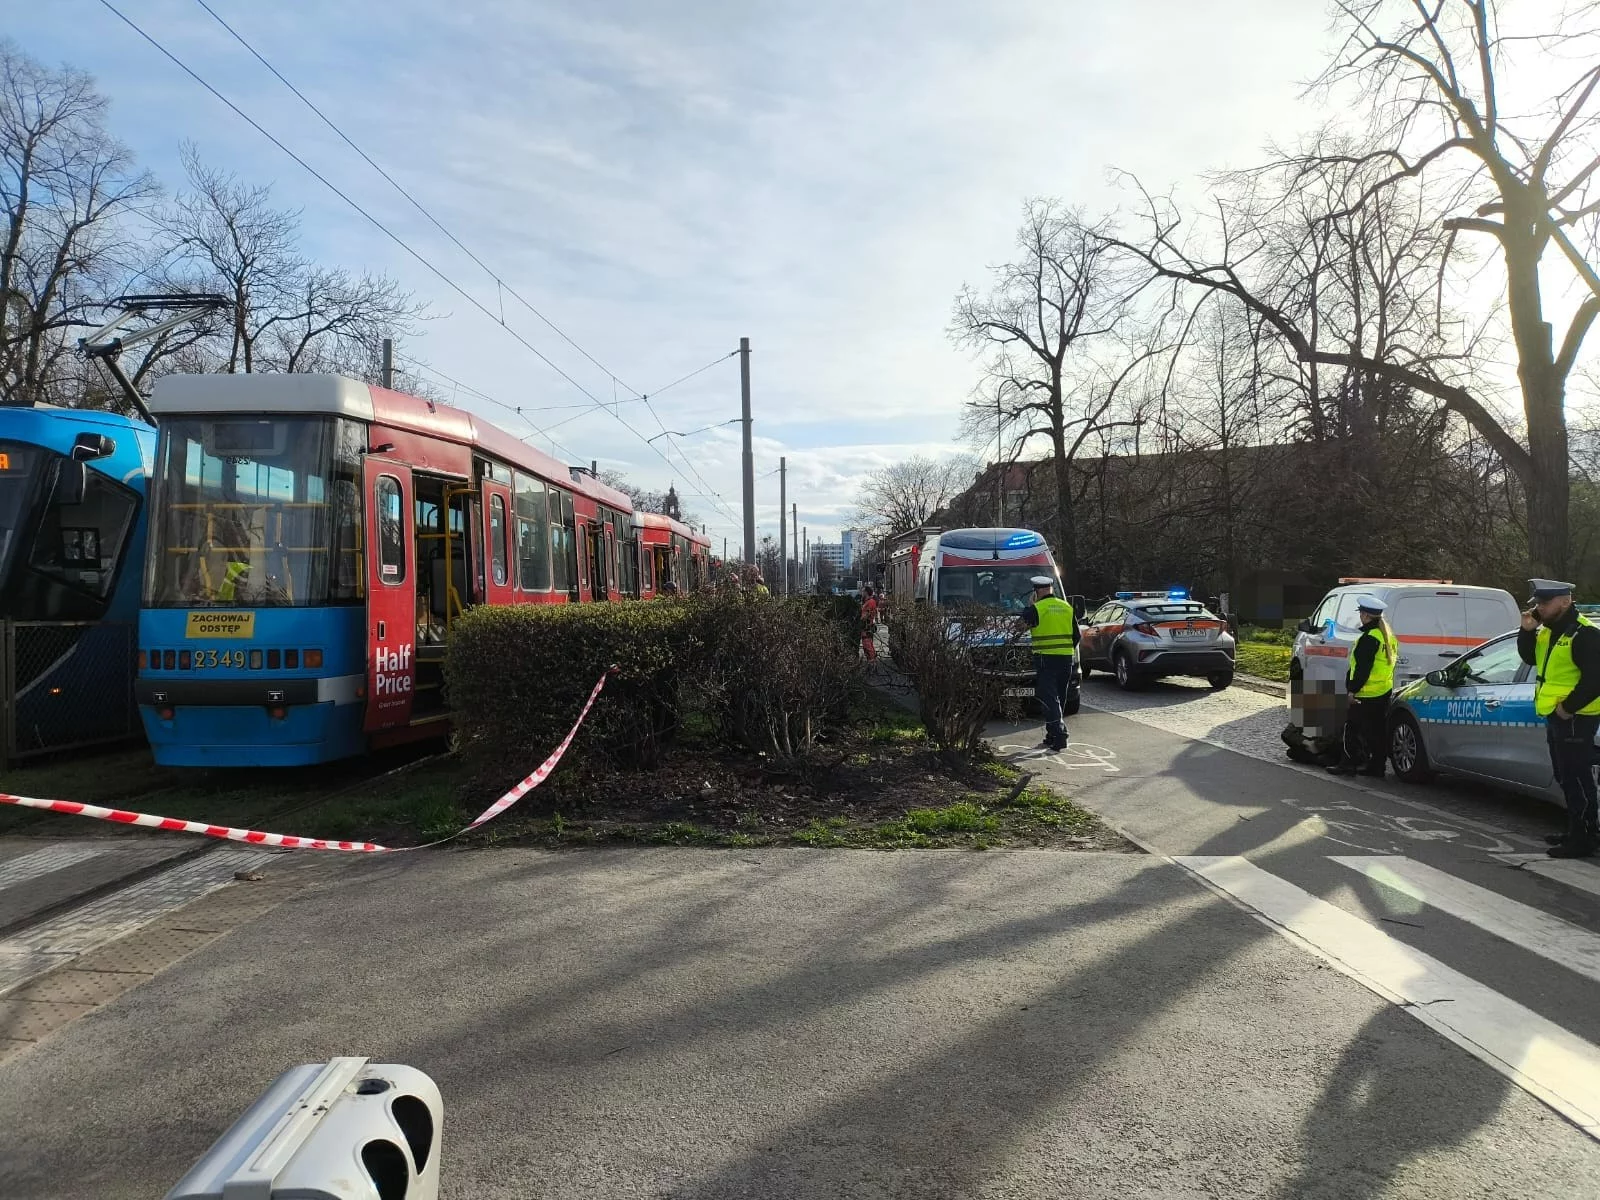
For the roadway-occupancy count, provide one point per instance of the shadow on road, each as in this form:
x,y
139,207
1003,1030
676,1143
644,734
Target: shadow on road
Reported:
x,y
566,1050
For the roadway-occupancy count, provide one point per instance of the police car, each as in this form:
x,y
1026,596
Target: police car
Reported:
x,y
1140,636
1474,718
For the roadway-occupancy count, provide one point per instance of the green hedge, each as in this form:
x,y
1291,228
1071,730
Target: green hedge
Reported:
x,y
517,677
781,672
772,674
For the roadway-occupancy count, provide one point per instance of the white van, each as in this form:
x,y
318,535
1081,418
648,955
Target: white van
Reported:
x,y
1435,620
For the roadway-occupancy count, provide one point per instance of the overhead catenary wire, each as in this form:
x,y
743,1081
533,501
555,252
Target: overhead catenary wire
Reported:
x,y
543,432
394,237
501,287
500,284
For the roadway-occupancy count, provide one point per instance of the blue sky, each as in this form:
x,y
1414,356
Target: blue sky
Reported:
x,y
662,178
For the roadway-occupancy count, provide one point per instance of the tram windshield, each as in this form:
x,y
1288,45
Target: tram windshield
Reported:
x,y
1009,589
59,553
18,471
256,512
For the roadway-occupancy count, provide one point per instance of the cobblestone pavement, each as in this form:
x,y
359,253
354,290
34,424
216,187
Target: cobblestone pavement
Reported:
x,y
1250,723
56,940
1240,719
36,874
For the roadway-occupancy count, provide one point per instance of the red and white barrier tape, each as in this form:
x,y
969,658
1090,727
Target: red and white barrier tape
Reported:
x,y
288,841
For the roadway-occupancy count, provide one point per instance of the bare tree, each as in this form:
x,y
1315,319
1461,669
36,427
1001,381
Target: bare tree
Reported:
x,y
1035,327
1430,75
907,494
288,314
65,182
826,573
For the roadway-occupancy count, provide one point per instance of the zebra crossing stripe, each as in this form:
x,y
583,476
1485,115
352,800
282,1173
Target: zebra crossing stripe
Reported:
x,y
1520,924
1536,1054
1571,871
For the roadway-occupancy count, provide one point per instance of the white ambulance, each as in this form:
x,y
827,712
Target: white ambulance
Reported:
x,y
1436,621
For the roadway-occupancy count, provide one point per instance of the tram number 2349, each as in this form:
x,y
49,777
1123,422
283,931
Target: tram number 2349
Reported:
x,y
206,659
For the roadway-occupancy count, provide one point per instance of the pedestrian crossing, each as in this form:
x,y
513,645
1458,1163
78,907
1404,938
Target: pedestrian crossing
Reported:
x,y
1542,1057
1585,876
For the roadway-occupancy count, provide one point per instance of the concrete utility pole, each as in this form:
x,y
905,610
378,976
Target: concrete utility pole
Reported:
x,y
999,468
724,550
795,510
805,556
783,530
388,363
749,458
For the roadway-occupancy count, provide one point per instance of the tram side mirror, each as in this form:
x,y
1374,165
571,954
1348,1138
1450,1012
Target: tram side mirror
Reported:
x,y
87,447
71,483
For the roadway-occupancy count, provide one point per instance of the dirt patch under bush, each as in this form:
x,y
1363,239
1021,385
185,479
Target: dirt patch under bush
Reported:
x,y
876,785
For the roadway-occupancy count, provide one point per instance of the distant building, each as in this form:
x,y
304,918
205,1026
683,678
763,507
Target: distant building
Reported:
x,y
832,553
847,550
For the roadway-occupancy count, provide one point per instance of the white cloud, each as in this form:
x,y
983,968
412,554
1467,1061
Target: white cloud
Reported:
x,y
661,179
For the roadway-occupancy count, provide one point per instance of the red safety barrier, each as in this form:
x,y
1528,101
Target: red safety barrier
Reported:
x,y
288,841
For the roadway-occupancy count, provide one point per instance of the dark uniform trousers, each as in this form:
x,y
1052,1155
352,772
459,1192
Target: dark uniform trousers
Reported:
x,y
1367,732
1572,759
1052,678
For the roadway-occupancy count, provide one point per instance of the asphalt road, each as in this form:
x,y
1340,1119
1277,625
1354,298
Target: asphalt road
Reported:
x,y
703,1023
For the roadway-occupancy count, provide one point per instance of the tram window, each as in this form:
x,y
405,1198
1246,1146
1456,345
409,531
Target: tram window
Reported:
x,y
283,495
647,571
390,509
533,535
570,536
559,570
497,538
81,544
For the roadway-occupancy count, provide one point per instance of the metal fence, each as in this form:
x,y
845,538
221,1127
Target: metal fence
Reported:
x,y
65,684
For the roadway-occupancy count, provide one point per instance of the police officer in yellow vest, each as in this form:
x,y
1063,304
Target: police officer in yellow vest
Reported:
x,y
1053,631
1563,647
1369,681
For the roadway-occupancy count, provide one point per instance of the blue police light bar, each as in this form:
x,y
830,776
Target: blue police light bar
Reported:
x,y
1178,594
1124,596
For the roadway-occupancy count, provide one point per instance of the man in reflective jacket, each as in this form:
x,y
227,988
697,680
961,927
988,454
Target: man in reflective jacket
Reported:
x,y
1053,632
1369,681
1563,647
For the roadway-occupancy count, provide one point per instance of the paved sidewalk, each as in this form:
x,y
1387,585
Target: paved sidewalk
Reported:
x,y
805,1024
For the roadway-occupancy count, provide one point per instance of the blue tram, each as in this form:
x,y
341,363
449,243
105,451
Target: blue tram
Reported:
x,y
72,538
313,538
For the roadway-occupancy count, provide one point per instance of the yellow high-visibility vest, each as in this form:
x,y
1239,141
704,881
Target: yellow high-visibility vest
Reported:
x,y
229,588
1558,674
1380,681
1053,633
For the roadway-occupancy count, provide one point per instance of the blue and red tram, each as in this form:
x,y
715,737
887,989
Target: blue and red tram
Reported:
x,y
312,539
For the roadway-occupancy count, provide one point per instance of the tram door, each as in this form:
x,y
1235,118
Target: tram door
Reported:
x,y
391,594
599,580
497,530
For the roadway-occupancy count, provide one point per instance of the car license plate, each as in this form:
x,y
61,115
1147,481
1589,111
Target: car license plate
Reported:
x,y
1016,691
1190,635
